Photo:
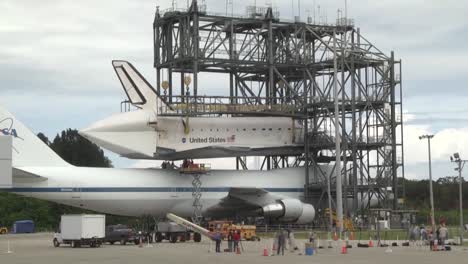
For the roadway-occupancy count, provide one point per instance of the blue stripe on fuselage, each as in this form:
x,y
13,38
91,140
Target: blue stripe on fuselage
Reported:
x,y
136,189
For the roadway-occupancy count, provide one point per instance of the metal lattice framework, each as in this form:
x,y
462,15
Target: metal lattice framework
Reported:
x,y
291,68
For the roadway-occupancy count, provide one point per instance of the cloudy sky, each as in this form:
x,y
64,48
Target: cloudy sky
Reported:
x,y
55,62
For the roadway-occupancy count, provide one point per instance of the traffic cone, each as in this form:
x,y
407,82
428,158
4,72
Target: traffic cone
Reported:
x,y
434,248
371,243
265,251
335,236
141,243
238,250
344,248
9,249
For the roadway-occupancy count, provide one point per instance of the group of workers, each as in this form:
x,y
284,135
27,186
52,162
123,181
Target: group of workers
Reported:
x,y
187,163
233,239
168,165
441,235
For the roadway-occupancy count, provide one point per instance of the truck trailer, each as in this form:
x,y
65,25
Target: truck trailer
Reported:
x,y
174,232
82,229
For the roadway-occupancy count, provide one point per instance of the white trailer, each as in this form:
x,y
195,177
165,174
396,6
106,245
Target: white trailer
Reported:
x,y
83,229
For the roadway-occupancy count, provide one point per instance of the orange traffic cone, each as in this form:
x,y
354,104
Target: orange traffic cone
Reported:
x,y
351,237
335,236
238,251
371,243
344,248
141,243
265,252
434,248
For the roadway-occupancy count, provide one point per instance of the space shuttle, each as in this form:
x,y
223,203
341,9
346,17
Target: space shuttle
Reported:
x,y
155,131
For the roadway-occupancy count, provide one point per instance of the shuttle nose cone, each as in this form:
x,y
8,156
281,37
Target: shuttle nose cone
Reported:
x,y
124,122
125,134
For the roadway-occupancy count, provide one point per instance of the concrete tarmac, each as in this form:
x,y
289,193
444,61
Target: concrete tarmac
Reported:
x,y
38,249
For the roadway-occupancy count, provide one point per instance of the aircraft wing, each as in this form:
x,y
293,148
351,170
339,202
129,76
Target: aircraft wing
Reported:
x,y
243,199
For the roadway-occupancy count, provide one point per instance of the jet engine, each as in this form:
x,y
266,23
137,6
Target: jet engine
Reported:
x,y
290,210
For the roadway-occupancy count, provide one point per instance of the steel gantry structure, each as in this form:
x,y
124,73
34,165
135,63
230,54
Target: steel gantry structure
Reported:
x,y
305,70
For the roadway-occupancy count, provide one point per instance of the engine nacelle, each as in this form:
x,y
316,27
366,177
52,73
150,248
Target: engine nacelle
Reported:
x,y
290,210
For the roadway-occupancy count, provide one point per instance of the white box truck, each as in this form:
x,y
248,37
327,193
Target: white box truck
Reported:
x,y
82,229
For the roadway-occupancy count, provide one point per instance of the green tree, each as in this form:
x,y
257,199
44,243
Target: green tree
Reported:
x,y
79,151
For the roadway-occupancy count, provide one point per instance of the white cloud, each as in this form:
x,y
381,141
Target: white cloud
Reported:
x,y
443,145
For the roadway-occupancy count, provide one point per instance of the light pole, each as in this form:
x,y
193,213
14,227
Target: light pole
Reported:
x,y
460,164
431,193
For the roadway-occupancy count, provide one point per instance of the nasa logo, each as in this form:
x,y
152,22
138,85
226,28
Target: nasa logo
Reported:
x,y
184,140
7,128
9,132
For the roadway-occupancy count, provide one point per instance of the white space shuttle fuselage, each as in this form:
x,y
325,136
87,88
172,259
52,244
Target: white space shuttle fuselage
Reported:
x,y
141,134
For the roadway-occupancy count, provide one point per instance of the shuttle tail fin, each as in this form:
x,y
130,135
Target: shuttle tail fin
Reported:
x,y
139,91
27,149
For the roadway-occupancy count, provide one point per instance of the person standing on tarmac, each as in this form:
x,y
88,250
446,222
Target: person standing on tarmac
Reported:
x,y
217,238
230,238
237,238
443,234
281,242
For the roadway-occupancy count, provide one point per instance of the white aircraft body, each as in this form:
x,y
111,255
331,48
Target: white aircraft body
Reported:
x,y
146,134
39,172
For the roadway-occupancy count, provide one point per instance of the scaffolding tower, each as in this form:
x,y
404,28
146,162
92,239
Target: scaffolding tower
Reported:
x,y
290,68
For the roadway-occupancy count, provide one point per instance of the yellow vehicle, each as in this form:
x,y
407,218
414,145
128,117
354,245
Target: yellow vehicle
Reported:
x,y
248,232
347,222
3,230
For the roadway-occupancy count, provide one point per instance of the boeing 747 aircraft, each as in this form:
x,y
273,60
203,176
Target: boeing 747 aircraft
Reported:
x,y
39,172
